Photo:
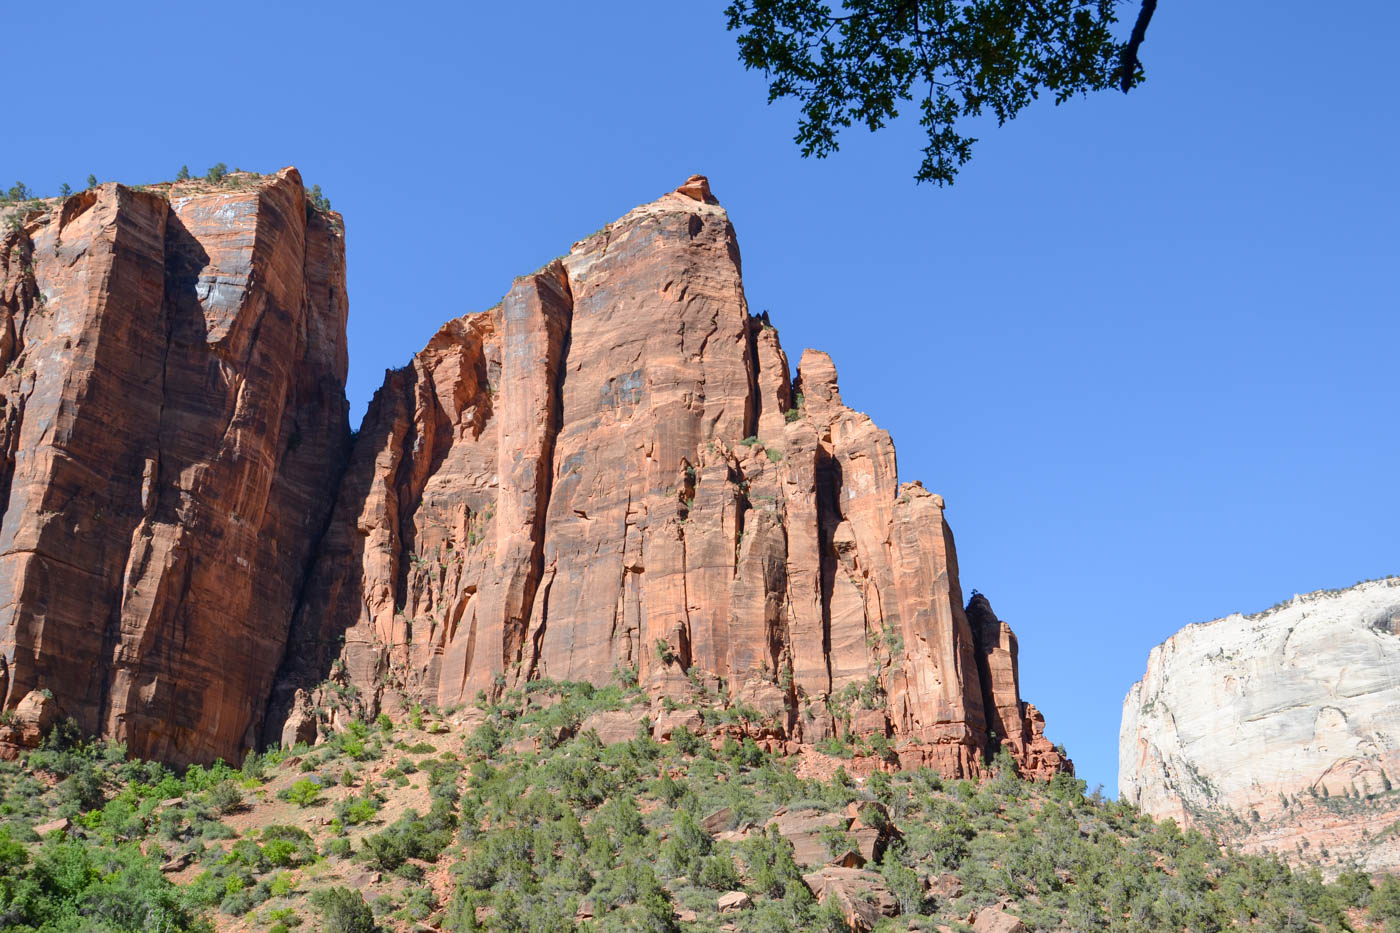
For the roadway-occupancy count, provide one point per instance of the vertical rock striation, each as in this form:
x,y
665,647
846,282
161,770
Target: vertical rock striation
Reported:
x,y
1010,720
1280,729
172,425
613,472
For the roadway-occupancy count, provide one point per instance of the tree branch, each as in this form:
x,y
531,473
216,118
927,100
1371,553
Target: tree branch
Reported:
x,y
1129,64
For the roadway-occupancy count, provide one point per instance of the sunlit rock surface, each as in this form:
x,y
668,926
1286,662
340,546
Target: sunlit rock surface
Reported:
x,y
1288,719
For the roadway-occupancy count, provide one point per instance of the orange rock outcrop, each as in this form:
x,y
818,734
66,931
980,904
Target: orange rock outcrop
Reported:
x,y
614,473
173,423
611,474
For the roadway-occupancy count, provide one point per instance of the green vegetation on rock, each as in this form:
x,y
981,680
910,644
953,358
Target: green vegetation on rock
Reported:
x,y
515,816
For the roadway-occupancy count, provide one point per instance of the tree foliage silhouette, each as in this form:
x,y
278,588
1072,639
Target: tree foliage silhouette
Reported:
x,y
862,61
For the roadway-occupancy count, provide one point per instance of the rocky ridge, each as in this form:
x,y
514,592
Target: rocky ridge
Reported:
x,y
612,474
1281,729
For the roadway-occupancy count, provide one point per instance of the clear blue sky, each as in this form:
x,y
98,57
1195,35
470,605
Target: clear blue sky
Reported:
x,y
1146,347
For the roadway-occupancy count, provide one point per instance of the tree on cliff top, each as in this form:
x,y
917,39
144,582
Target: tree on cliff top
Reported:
x,y
957,58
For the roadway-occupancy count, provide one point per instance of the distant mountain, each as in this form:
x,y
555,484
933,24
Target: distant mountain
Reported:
x,y
1281,729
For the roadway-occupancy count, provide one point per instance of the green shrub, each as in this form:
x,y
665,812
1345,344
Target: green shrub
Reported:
x,y
1385,902
718,871
357,810
903,882
485,741
284,917
770,863
238,903
795,412
418,905
343,911
338,847
68,885
81,790
225,797
304,793
409,837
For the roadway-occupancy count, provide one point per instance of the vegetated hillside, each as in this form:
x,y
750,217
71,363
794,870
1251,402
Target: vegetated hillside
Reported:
x,y
518,816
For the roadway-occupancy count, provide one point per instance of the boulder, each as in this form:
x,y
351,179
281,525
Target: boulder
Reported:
x,y
53,826
177,863
803,828
29,721
301,724
995,920
665,724
718,821
613,726
947,886
734,901
862,895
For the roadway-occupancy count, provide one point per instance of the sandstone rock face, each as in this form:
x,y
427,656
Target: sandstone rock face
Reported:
x,y
995,920
614,474
1288,719
172,426
862,895
1010,721
733,901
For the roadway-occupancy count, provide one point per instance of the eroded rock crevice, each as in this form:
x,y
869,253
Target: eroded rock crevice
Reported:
x,y
645,492
610,474
155,529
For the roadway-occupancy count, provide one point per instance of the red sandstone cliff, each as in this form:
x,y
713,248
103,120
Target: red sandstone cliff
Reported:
x,y
611,473
613,470
172,426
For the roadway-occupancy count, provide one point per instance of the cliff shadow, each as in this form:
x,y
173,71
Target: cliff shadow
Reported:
x,y
330,601
829,479
158,496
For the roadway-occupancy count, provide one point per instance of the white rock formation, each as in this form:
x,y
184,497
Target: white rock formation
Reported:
x,y
1273,713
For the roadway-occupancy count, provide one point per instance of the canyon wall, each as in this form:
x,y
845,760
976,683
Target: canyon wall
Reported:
x,y
1281,729
172,426
611,475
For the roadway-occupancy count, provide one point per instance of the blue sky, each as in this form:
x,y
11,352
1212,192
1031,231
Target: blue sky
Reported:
x,y
1145,347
